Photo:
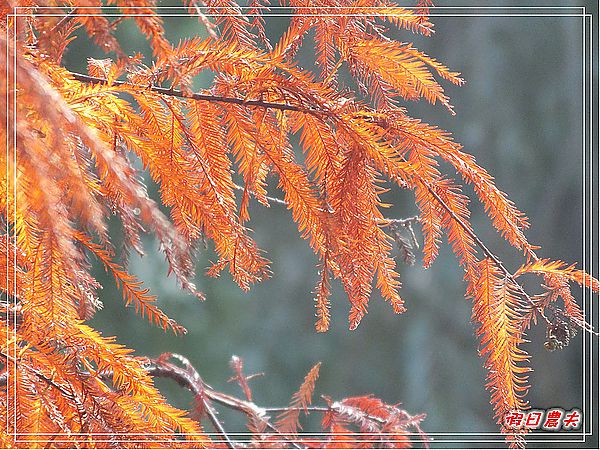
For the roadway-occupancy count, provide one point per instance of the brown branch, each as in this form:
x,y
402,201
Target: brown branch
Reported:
x,y
533,305
201,97
486,251
186,376
189,378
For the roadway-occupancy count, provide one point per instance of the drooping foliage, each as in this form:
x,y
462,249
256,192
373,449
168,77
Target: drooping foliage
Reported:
x,y
73,139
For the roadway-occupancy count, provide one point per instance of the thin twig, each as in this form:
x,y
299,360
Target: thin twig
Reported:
x,y
403,222
201,97
487,252
190,379
211,28
322,409
60,23
271,199
116,22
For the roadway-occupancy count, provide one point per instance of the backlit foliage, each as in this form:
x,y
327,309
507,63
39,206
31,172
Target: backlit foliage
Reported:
x,y
76,137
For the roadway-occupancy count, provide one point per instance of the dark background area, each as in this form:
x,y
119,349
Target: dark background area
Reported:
x,y
520,114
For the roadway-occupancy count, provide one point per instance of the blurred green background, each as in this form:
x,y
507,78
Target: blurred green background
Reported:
x,y
520,114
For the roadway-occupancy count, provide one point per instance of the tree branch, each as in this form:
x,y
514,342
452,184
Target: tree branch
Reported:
x,y
201,97
186,376
486,251
404,222
189,378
